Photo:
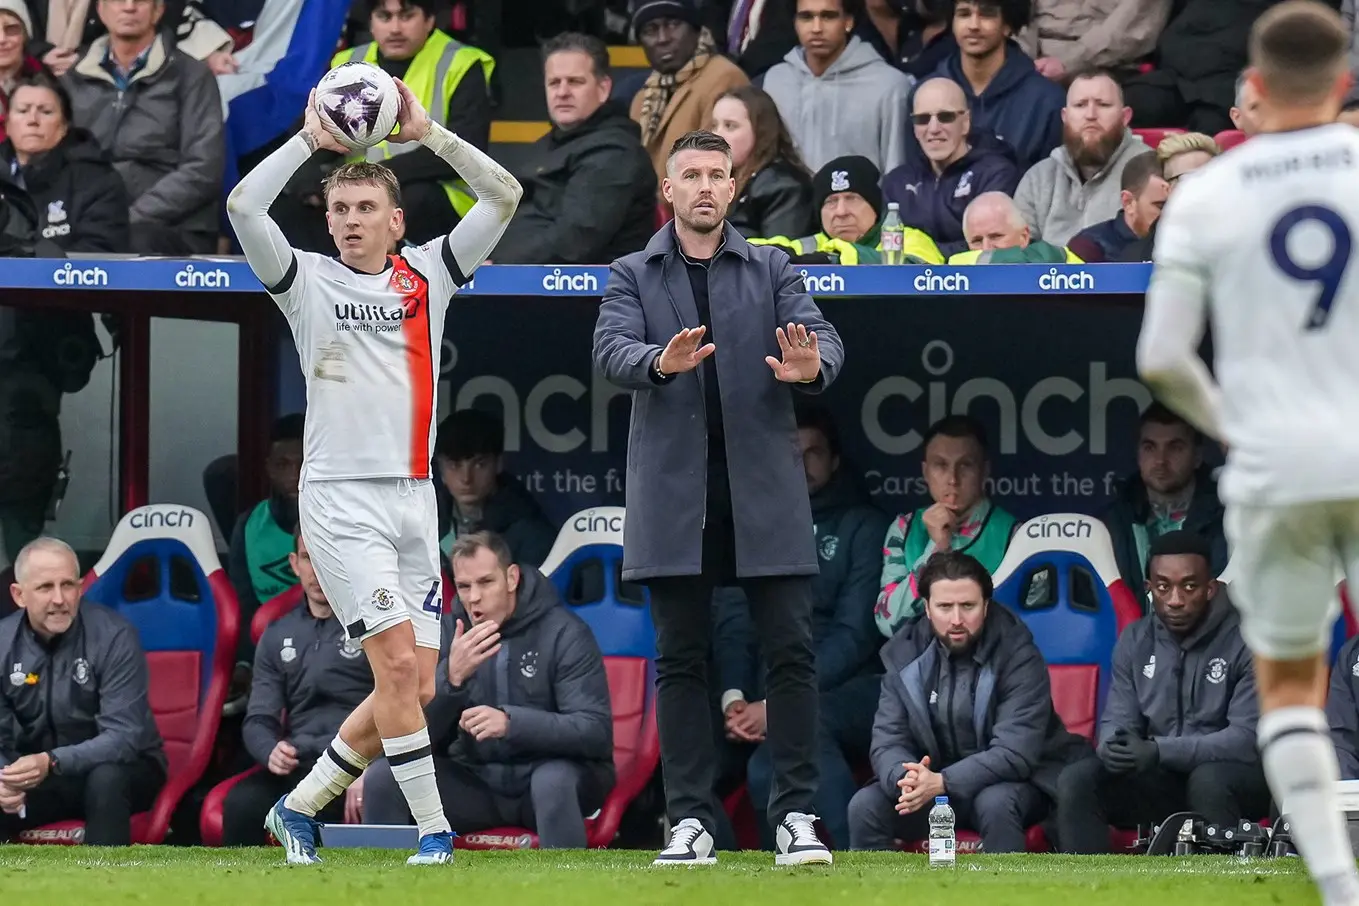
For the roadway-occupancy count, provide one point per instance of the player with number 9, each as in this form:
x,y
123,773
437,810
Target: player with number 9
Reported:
x,y
1262,240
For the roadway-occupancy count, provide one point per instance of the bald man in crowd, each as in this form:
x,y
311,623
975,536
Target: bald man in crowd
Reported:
x,y
997,234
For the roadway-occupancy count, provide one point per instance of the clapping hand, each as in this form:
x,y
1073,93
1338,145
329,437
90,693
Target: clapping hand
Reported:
x,y
801,355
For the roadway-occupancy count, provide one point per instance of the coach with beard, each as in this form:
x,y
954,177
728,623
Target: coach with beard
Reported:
x,y
712,335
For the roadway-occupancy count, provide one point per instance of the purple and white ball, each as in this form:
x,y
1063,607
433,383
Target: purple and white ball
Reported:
x,y
358,103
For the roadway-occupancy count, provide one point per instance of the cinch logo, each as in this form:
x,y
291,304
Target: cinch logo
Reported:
x,y
1054,279
162,519
597,522
196,279
930,282
557,282
354,311
68,275
829,283
1060,528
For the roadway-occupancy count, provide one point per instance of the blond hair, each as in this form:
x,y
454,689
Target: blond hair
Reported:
x,y
1184,143
364,173
1300,48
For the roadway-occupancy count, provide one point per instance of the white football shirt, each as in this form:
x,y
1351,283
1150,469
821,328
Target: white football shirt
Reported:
x,y
1263,238
370,347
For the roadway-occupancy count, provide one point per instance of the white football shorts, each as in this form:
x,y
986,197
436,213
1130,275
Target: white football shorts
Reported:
x,y
373,544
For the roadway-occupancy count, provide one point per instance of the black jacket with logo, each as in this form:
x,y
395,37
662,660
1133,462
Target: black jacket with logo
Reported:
x,y
548,677
303,667
82,696
81,201
1194,697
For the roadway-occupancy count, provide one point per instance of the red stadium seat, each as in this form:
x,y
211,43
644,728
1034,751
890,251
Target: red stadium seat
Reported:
x,y
210,819
161,572
272,609
1153,135
1075,697
1229,139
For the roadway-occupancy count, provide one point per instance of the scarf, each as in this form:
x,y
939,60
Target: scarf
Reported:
x,y
660,88
66,22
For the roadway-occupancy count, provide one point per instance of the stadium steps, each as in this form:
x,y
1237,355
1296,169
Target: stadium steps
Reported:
x,y
522,115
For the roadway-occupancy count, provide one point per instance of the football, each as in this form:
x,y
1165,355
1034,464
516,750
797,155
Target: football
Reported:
x,y
357,103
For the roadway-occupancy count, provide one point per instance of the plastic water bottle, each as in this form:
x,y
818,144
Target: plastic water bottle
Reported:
x,y
943,840
893,235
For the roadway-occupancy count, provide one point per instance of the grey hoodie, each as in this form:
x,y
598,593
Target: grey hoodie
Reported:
x,y
857,106
1057,205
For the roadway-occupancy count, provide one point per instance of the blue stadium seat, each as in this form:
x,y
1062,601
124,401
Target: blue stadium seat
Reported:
x,y
161,572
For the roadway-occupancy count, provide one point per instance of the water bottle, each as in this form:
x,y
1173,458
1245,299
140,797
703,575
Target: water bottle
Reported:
x,y
943,840
893,235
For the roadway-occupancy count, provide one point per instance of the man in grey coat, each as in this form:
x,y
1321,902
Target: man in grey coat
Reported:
x,y
521,707
77,737
1178,729
710,334
965,712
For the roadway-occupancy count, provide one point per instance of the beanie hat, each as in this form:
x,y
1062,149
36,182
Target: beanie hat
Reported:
x,y
647,11
854,173
19,9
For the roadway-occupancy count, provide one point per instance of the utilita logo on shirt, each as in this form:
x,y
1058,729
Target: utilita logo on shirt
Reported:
x,y
357,316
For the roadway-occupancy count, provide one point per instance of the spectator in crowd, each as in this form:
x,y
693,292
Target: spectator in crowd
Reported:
x,y
1143,194
1199,55
1069,37
847,193
1004,92
1172,490
950,164
1244,112
773,185
589,190
261,562
306,681
156,111
80,199
916,36
77,737
406,45
1178,728
62,29
997,234
478,495
16,30
1342,709
521,708
688,75
849,532
966,710
1178,155
960,518
838,97
1079,184
754,33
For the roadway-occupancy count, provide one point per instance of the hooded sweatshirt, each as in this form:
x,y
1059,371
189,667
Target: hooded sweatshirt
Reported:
x,y
510,512
857,106
1057,204
934,203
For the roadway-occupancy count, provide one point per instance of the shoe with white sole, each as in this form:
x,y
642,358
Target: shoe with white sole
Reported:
x,y
295,832
435,849
689,844
796,842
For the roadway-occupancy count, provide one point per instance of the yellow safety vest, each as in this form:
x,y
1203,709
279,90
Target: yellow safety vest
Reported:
x,y
971,256
433,76
915,244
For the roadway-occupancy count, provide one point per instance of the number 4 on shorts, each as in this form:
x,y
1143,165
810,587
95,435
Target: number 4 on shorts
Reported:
x,y
433,602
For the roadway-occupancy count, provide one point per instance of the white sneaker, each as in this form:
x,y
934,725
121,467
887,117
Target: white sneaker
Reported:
x,y
796,842
689,844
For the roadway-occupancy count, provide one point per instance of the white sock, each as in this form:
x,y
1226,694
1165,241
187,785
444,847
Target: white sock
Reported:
x,y
1301,766
335,770
413,767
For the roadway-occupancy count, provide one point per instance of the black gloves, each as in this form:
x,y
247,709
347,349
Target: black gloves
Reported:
x,y
1125,753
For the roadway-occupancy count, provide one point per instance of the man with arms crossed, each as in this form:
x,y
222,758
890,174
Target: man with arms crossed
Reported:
x,y
368,328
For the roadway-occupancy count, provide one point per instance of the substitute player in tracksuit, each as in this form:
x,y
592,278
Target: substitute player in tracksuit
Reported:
x,y
368,328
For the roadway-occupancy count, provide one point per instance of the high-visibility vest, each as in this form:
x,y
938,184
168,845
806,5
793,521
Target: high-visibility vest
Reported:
x,y
916,246
433,76
972,255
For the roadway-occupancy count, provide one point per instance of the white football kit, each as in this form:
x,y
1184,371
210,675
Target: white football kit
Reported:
x,y
369,346
1263,241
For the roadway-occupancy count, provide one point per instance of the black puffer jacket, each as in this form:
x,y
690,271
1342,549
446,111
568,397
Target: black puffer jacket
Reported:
x,y
81,201
776,202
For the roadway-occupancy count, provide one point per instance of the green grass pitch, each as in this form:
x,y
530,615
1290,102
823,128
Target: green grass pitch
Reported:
x,y
56,875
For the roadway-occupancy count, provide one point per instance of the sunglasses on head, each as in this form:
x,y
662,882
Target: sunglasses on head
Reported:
x,y
946,117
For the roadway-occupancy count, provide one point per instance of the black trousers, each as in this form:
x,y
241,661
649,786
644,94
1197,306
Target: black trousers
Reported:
x,y
781,608
106,798
1090,798
250,800
1001,813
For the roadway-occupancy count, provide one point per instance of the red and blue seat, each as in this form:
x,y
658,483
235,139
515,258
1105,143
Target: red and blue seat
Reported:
x,y
161,572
